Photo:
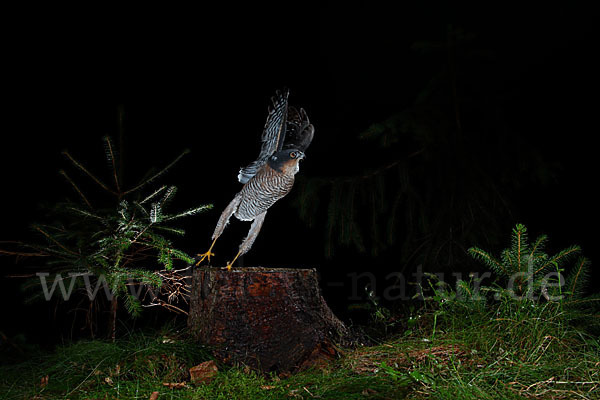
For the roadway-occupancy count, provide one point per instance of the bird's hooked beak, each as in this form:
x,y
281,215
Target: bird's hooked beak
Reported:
x,y
301,156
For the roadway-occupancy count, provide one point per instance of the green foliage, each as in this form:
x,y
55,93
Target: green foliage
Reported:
x,y
529,300
77,369
480,358
139,364
503,346
120,240
536,276
535,338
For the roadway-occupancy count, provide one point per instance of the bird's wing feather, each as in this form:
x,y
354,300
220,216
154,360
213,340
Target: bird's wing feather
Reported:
x,y
272,136
299,131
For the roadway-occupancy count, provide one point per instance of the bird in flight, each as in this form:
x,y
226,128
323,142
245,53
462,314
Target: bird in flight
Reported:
x,y
286,136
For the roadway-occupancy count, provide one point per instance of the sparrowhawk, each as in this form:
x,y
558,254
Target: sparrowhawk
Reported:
x,y
286,136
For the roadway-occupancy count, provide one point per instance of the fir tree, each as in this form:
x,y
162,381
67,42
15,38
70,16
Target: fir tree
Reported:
x,y
528,265
534,275
124,241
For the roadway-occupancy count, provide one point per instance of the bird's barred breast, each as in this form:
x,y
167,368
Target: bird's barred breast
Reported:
x,y
262,191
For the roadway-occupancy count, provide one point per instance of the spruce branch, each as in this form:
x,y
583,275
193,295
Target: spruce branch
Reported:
x,y
53,240
158,174
121,241
21,253
153,194
79,192
520,236
577,277
188,213
88,173
536,263
85,213
110,155
169,194
562,255
488,259
538,246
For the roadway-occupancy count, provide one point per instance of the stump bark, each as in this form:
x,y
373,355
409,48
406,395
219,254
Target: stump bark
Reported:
x,y
268,319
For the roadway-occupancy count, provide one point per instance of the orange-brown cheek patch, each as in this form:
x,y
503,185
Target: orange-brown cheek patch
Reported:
x,y
289,167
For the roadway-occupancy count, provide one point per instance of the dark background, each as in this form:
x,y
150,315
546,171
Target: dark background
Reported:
x,y
201,79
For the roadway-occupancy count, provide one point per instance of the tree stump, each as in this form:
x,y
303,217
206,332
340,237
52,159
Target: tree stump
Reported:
x,y
268,319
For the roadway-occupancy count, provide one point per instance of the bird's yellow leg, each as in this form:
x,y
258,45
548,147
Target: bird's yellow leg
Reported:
x,y
231,263
208,254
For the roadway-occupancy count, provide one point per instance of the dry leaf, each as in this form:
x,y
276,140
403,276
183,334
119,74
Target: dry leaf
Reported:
x,y
44,381
176,385
153,396
267,387
204,372
284,375
108,380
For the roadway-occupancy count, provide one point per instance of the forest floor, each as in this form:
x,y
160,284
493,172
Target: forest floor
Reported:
x,y
440,365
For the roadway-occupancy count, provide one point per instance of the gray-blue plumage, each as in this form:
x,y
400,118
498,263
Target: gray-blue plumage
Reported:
x,y
286,135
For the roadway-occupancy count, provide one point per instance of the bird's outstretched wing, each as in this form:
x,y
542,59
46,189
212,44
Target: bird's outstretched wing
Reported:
x,y
299,131
272,136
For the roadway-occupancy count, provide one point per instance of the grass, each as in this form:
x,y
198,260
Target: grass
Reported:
x,y
471,363
456,348
136,366
460,344
508,348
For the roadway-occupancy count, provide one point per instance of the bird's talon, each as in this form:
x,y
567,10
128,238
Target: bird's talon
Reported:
x,y
203,256
270,177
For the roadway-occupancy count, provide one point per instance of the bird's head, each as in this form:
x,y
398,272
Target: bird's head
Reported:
x,y
287,160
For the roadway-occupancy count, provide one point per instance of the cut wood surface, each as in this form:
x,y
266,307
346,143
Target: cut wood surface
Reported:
x,y
268,319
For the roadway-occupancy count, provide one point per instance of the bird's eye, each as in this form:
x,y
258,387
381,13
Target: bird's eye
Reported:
x,y
293,154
